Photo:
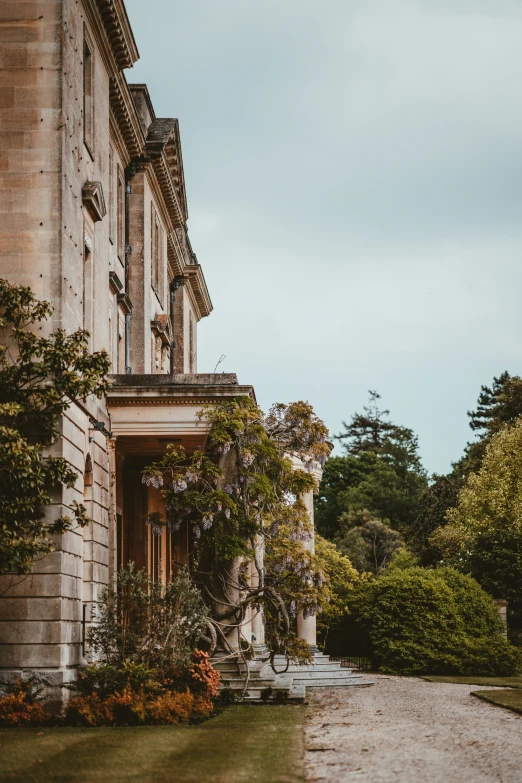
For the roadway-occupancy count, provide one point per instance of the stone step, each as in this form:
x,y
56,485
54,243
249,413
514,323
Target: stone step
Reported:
x,y
326,682
318,660
238,683
320,675
294,667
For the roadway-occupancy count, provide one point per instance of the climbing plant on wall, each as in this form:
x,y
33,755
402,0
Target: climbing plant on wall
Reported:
x,y
242,497
40,377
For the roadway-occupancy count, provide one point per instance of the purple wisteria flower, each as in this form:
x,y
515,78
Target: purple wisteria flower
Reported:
x,y
179,485
152,480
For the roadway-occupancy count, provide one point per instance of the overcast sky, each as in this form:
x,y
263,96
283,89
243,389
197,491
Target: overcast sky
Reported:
x,y
354,182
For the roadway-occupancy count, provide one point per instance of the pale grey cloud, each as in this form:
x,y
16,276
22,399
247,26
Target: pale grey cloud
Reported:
x,y
354,173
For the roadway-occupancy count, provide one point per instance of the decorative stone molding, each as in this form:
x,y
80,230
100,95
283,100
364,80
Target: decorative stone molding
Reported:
x,y
194,273
125,302
115,284
161,328
93,200
119,32
126,117
163,142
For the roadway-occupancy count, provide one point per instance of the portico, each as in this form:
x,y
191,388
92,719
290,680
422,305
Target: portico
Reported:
x,y
147,412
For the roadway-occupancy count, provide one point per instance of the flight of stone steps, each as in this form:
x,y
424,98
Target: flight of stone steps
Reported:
x,y
322,673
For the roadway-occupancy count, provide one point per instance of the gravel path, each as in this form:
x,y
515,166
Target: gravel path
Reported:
x,y
410,731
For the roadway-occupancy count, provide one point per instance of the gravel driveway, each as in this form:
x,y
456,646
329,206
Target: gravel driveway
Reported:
x,y
407,730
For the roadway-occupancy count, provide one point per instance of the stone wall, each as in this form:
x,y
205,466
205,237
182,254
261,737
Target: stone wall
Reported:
x,y
53,240
45,165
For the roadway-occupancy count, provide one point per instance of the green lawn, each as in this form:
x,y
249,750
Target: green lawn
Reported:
x,y
243,744
511,699
501,682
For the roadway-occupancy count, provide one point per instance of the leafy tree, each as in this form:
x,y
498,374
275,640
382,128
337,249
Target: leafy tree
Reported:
x,y
40,377
488,519
367,431
433,505
369,543
381,472
497,405
372,431
339,475
340,576
423,621
242,494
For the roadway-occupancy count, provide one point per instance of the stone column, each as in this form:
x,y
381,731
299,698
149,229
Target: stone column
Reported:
x,y
227,593
257,622
307,626
113,527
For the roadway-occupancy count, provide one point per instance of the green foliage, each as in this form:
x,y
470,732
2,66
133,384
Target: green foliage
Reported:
x,y
341,577
373,432
244,492
145,625
369,543
494,558
151,671
433,505
381,472
488,520
433,622
105,679
133,695
498,405
492,498
39,379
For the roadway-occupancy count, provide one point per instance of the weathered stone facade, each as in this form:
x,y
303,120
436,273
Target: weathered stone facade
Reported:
x,y
93,217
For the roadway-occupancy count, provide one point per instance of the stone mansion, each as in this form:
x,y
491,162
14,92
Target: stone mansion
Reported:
x,y
93,217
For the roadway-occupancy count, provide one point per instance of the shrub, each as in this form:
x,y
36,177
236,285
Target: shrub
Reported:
x,y
433,622
105,680
148,623
21,705
133,709
203,678
132,694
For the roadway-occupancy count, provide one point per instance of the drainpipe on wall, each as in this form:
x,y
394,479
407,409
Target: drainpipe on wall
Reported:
x,y
130,172
174,285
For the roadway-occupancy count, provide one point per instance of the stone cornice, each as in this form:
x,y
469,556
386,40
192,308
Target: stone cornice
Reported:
x,y
117,138
119,32
168,189
126,115
198,284
163,141
173,390
174,255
